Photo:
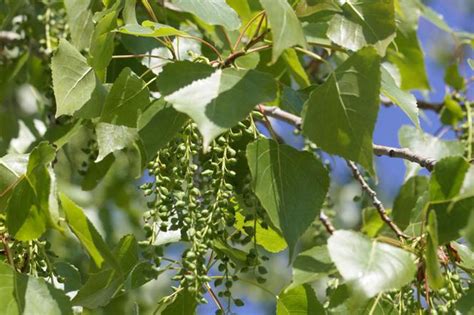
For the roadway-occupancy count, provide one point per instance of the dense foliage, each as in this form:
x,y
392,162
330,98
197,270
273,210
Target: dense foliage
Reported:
x,y
143,169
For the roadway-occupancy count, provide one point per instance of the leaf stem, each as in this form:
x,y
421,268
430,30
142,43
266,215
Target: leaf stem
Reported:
x,y
7,250
314,56
212,47
246,27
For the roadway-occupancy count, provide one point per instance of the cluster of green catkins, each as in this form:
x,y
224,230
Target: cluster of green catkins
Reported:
x,y
194,193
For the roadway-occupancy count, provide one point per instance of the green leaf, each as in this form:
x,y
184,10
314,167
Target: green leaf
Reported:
x,y
142,273
12,167
129,14
237,256
96,171
433,271
405,100
26,220
213,98
285,26
464,305
102,44
71,275
296,68
407,198
28,210
86,233
340,114
468,231
293,101
80,22
183,304
127,98
151,29
453,78
470,61
21,294
368,266
447,178
73,79
372,223
452,217
291,185
111,138
426,145
316,33
59,135
310,7
299,300
214,12
364,23
451,113
268,238
466,255
311,265
158,125
93,108
101,287
407,54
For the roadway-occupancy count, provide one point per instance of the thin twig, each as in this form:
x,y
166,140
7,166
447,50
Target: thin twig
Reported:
x,y
405,154
375,201
214,297
269,126
232,57
402,153
241,35
139,56
326,222
436,107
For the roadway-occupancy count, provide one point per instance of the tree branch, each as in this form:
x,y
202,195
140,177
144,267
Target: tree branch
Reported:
x,y
379,150
405,154
436,107
375,201
326,222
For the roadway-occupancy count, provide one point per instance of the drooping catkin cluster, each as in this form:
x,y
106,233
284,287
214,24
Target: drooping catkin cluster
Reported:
x,y
194,193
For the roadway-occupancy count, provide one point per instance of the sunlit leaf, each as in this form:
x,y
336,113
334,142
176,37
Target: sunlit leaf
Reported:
x,y
212,98
368,266
268,238
214,12
299,300
73,79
